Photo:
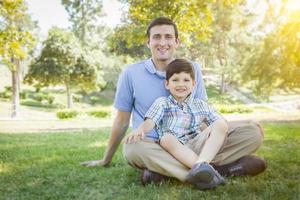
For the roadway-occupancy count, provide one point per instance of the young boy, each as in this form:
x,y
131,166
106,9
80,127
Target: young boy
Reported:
x,y
179,118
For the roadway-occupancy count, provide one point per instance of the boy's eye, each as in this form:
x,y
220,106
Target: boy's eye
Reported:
x,y
187,80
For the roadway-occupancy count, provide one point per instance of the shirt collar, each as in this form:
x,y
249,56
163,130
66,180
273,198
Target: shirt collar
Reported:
x,y
188,100
151,68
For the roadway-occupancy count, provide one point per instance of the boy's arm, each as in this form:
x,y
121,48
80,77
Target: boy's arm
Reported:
x,y
140,132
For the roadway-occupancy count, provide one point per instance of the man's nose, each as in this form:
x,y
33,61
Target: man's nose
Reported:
x,y
162,41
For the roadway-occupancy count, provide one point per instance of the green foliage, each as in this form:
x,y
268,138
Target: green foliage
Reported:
x,y
275,63
100,113
84,16
228,109
40,97
215,98
7,93
16,38
67,114
192,17
37,104
62,62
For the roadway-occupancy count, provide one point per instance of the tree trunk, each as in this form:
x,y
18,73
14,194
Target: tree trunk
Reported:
x,y
15,90
69,95
223,84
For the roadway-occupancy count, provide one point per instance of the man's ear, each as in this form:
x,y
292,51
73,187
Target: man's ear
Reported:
x,y
177,42
148,43
167,84
194,83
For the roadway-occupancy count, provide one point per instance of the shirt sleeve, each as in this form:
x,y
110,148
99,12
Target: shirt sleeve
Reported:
x,y
211,115
156,111
199,91
124,95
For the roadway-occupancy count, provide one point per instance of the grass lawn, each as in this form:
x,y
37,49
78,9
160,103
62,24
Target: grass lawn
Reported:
x,y
46,166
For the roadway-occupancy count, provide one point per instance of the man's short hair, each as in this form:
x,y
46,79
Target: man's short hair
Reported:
x,y
179,65
162,21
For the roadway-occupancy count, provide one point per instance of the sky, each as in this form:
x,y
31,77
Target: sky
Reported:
x,y
50,13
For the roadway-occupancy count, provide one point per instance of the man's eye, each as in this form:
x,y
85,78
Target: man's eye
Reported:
x,y
156,36
187,80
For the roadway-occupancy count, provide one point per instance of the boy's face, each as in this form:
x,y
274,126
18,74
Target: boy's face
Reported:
x,y
180,85
162,43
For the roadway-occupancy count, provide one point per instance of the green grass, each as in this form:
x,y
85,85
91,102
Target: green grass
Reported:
x,y
45,166
214,97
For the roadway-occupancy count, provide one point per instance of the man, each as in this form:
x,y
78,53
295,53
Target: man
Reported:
x,y
139,85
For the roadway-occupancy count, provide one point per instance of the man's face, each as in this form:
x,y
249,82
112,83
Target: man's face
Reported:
x,y
162,43
180,85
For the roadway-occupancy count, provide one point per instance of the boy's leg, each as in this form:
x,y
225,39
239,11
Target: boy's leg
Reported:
x,y
182,153
218,132
149,155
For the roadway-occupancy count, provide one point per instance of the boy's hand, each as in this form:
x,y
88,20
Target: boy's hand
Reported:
x,y
135,136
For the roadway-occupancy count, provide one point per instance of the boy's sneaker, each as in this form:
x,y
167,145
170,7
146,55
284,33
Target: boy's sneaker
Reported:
x,y
204,176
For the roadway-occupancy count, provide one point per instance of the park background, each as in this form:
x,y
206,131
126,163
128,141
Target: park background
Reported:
x,y
58,78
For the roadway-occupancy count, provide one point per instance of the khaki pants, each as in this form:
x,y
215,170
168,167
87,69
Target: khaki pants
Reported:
x,y
243,139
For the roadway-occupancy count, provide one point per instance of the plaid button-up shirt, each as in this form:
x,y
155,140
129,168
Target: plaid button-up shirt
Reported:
x,y
183,120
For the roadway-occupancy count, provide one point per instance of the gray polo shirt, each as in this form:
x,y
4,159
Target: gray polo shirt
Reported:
x,y
140,84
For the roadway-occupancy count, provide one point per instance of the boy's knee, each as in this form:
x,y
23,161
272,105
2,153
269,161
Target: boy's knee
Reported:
x,y
167,140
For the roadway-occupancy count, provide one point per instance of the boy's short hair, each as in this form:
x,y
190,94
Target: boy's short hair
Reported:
x,y
162,21
179,65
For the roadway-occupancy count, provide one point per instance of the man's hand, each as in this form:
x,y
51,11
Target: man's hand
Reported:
x,y
95,163
135,136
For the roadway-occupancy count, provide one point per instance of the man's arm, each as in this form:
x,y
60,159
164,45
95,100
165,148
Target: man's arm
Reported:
x,y
118,131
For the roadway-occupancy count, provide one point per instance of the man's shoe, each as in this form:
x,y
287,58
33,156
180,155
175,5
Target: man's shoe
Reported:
x,y
204,176
148,177
245,166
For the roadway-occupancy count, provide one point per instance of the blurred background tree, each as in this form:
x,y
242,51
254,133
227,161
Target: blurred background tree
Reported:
x,y
62,62
16,41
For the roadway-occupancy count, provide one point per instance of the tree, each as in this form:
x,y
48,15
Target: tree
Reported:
x,y
192,17
63,62
16,40
84,16
275,63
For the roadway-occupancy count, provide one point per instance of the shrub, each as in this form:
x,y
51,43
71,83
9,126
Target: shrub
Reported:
x,y
98,113
227,109
67,114
5,95
23,95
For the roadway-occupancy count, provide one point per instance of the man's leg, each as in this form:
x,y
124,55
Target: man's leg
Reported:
x,y
150,155
242,140
235,158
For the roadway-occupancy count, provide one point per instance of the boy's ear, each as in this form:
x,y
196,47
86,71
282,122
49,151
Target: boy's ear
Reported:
x,y
148,43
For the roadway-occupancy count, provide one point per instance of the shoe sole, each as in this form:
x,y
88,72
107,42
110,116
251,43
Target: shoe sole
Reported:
x,y
206,175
